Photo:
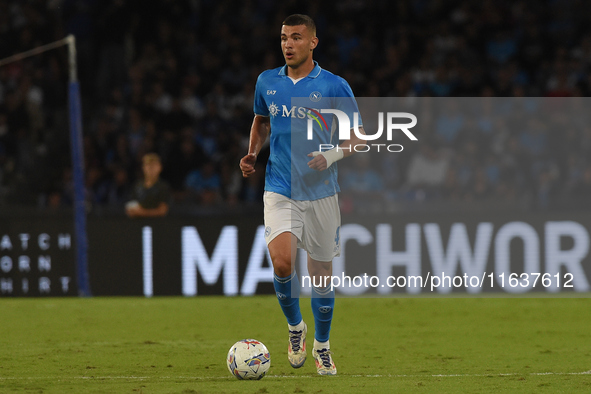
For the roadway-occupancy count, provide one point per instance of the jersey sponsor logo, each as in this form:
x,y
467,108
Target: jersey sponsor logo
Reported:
x,y
315,96
273,109
295,112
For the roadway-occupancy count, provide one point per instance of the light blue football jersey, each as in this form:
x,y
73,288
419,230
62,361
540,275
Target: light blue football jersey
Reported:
x,y
288,105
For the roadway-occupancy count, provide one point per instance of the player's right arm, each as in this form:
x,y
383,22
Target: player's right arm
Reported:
x,y
259,131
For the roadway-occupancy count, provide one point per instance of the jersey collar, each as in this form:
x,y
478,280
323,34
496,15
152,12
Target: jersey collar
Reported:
x,y
313,74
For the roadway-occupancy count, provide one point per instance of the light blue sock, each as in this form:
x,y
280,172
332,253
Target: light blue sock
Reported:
x,y
288,293
322,308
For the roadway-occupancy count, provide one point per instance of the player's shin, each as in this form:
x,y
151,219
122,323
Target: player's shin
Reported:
x,y
322,308
288,293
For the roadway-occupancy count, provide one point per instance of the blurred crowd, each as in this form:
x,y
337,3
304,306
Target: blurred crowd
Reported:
x,y
177,77
530,152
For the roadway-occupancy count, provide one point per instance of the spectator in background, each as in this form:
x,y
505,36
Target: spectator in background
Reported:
x,y
582,190
116,191
363,185
253,188
150,195
427,171
449,123
149,74
184,158
204,184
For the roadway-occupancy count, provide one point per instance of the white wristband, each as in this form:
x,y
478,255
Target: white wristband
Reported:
x,y
332,156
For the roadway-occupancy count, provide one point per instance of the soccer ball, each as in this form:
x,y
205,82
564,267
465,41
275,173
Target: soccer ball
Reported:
x,y
248,359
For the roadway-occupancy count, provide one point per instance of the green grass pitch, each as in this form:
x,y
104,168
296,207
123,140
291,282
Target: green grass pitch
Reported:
x,y
179,345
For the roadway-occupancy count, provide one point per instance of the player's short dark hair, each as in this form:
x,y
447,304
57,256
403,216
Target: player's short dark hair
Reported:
x,y
300,19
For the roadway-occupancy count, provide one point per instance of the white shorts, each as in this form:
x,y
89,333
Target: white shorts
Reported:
x,y
316,224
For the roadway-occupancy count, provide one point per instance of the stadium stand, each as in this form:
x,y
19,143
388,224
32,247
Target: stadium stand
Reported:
x,y
177,77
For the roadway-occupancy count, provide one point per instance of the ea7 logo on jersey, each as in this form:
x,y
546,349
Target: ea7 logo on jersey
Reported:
x,y
271,92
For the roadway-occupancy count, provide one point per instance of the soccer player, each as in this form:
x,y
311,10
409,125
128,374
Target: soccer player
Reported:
x,y
300,200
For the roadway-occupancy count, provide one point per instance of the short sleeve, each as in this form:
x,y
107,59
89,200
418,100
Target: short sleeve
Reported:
x,y
260,107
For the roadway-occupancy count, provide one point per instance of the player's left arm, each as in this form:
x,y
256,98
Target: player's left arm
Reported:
x,y
322,160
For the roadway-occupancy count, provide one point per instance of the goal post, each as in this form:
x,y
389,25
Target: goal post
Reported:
x,y
77,155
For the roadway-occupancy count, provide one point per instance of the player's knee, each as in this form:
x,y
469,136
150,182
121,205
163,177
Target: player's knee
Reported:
x,y
320,268
282,265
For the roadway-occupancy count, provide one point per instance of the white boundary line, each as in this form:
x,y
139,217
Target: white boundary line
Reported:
x,y
476,375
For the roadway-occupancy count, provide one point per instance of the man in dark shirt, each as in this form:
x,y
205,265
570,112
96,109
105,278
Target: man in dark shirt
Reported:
x,y
150,196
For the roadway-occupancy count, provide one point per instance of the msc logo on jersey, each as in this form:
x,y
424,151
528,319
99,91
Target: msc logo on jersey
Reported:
x,y
315,96
293,112
273,109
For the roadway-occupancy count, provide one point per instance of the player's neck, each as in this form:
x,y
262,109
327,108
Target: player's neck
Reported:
x,y
302,70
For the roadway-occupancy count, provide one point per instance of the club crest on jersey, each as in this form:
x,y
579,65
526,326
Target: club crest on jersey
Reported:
x,y
315,96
